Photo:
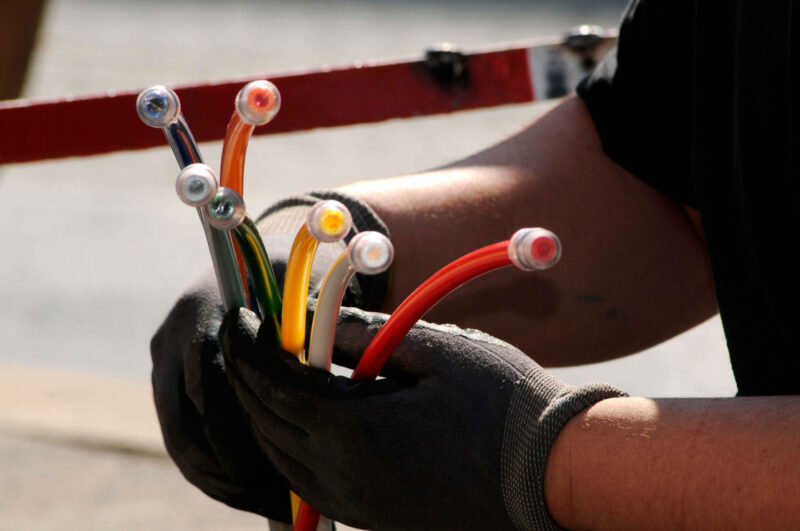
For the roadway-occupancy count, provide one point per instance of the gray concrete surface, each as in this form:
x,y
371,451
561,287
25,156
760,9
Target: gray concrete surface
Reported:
x,y
95,250
83,451
47,485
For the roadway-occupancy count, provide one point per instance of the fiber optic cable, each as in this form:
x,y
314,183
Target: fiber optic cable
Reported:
x,y
530,249
368,253
160,107
265,286
256,104
327,221
226,212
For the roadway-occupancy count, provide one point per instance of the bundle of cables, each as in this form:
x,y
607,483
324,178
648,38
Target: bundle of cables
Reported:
x,y
242,266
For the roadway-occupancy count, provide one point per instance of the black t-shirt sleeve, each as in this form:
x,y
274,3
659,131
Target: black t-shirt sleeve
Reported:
x,y
640,96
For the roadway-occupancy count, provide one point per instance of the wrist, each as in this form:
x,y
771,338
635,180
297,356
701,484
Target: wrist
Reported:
x,y
587,482
540,408
564,485
558,477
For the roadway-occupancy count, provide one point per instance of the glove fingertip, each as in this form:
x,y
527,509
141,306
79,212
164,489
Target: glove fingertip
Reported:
x,y
239,330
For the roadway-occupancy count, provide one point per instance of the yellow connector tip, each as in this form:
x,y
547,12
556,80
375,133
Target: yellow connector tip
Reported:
x,y
332,221
329,221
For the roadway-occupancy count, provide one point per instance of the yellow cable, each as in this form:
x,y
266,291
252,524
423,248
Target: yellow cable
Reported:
x,y
295,293
331,223
296,501
295,300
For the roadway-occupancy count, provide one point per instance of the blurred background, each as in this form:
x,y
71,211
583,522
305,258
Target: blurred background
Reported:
x,y
96,250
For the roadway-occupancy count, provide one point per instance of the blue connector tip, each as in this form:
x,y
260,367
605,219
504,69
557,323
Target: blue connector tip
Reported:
x,y
158,106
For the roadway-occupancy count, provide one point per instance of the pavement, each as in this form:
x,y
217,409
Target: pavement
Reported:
x,y
85,452
80,451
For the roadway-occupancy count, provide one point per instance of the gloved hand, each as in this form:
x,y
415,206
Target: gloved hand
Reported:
x,y
204,429
456,436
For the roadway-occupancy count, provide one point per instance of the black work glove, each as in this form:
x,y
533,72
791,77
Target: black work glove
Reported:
x,y
205,431
456,436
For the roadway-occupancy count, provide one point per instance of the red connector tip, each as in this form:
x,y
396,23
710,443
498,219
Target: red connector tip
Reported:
x,y
261,99
543,249
534,249
258,102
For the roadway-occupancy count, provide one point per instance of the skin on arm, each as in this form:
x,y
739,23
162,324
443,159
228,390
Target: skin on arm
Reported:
x,y
638,463
634,271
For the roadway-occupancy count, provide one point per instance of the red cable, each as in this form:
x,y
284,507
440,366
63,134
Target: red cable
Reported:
x,y
307,518
423,299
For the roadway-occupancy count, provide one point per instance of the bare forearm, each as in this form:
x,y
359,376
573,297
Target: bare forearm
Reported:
x,y
636,463
633,271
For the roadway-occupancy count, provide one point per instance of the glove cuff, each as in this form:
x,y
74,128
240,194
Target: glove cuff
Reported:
x,y
539,409
287,216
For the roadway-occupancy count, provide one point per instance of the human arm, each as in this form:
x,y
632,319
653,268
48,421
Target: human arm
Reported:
x,y
717,463
455,436
634,270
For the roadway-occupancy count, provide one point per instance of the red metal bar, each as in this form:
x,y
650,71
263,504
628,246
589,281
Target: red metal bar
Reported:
x,y
88,125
